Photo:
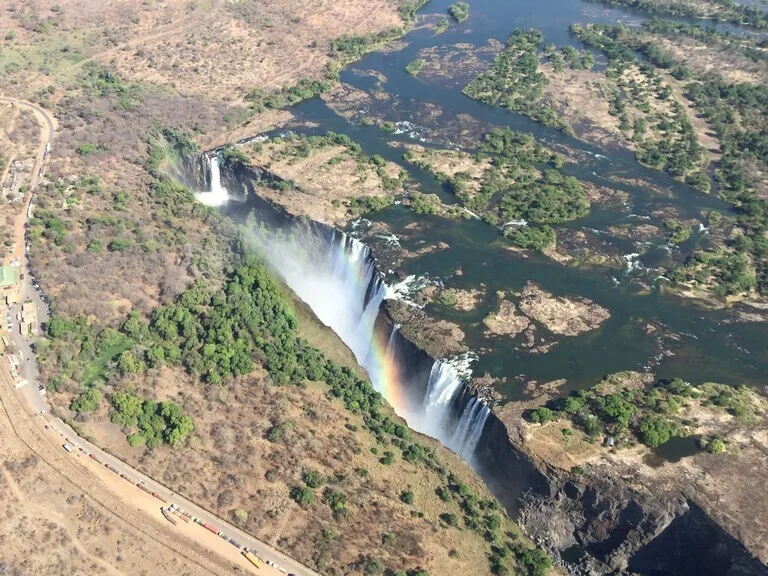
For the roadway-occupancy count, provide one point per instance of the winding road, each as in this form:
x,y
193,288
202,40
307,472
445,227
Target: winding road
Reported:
x,y
124,491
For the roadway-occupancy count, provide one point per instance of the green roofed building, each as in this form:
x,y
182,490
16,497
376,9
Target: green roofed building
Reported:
x,y
9,276
9,279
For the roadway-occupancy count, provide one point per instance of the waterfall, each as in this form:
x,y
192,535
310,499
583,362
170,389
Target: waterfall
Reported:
x,y
451,413
336,276
217,195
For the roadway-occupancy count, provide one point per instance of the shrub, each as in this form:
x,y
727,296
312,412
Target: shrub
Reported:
x,y
303,496
450,519
415,67
313,478
407,497
534,238
533,562
388,458
88,401
714,445
459,11
654,431
336,499
540,415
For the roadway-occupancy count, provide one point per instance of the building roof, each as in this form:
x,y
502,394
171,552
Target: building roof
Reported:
x,y
9,275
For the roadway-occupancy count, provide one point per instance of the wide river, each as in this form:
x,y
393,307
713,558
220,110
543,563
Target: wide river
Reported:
x,y
692,343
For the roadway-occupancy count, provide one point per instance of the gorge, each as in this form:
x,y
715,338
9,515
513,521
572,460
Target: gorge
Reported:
x,y
336,275
592,524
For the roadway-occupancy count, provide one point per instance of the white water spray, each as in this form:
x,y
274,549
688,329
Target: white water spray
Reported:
x,y
217,195
337,278
450,412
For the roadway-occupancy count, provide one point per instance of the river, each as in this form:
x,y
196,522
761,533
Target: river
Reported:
x,y
648,329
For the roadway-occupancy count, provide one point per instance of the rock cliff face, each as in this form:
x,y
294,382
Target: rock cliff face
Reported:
x,y
601,521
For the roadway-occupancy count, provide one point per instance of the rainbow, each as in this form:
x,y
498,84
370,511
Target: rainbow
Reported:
x,y
370,341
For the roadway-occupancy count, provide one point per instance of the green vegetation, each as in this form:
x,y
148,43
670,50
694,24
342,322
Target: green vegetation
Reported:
x,y
649,415
349,48
551,199
305,89
534,238
102,82
313,478
365,204
459,11
442,25
654,431
540,415
424,203
713,445
514,81
408,9
157,423
232,157
303,496
89,351
719,10
89,148
513,188
674,146
88,401
415,67
679,232
739,115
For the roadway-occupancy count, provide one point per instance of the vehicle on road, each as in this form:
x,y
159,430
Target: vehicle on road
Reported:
x,y
67,447
167,515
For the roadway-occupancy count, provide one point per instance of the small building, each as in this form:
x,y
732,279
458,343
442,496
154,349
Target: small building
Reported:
x,y
9,283
28,319
610,441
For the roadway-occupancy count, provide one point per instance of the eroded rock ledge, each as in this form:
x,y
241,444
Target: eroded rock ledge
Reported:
x,y
438,338
568,316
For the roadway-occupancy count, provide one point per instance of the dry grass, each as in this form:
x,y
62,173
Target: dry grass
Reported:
x,y
326,180
231,465
733,66
54,520
206,47
449,163
563,450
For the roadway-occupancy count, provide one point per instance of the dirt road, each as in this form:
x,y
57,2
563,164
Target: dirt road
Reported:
x,y
47,127
25,414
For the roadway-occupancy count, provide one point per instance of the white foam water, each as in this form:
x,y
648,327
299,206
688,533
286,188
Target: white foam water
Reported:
x,y
217,195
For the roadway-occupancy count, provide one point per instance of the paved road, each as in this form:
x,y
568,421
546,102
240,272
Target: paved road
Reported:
x,y
36,403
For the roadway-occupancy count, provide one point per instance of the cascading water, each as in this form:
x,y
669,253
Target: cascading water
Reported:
x,y
217,195
336,275
451,412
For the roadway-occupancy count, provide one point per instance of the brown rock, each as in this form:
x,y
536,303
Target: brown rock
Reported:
x,y
561,315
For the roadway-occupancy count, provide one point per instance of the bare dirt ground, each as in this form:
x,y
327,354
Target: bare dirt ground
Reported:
x,y
722,484
701,57
506,321
582,99
209,47
562,315
449,163
60,518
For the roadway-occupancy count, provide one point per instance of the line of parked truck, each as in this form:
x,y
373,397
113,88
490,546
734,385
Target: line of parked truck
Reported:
x,y
171,512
